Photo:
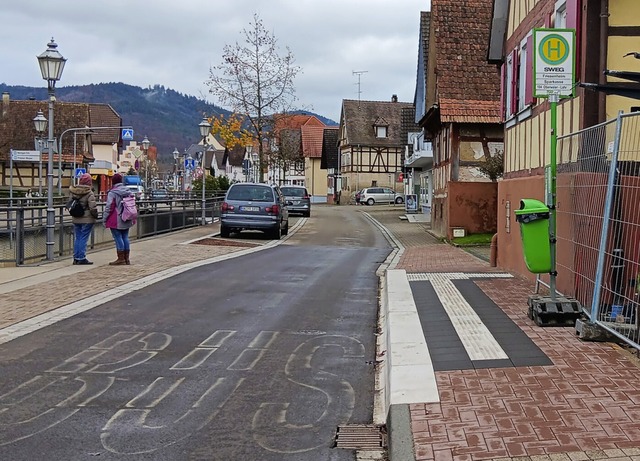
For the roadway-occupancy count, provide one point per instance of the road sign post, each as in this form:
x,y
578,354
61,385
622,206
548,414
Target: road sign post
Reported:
x,y
553,78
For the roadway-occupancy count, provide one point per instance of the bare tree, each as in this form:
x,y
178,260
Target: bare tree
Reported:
x,y
289,151
255,80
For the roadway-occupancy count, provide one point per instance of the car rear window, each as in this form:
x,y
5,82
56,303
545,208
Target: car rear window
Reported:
x,y
252,193
293,191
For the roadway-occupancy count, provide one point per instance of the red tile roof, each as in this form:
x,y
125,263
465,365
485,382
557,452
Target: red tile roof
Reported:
x,y
469,111
461,33
312,141
284,121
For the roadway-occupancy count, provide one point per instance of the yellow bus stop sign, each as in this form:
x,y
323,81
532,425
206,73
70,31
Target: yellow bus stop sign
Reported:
x,y
554,62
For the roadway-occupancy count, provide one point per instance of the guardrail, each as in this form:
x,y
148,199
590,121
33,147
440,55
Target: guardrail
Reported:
x,y
23,225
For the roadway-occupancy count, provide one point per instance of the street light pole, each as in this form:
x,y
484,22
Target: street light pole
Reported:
x,y
145,148
176,154
205,129
51,66
40,123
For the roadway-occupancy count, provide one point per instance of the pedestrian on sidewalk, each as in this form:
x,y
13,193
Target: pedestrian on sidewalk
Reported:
x,y
112,219
82,225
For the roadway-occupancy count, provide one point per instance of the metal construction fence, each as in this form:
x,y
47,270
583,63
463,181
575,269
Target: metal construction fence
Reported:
x,y
23,226
598,223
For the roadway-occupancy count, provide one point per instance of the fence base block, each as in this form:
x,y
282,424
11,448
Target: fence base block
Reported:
x,y
559,312
589,331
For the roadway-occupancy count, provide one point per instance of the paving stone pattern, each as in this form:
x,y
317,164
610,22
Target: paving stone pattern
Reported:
x,y
586,406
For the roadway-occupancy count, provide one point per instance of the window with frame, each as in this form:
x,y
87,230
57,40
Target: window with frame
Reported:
x,y
560,15
517,87
381,131
566,15
509,86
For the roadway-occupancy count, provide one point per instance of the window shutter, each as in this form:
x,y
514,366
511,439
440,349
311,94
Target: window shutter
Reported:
x,y
528,88
574,22
503,96
514,81
573,14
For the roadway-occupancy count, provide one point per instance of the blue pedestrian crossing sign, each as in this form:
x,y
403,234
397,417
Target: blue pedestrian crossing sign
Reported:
x,y
189,163
80,171
127,134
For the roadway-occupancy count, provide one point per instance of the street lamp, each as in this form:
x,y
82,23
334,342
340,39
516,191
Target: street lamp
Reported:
x,y
40,122
145,148
205,129
176,155
248,168
51,66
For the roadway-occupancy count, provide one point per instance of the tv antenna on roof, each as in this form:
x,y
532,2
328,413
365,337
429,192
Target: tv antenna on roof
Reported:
x,y
359,74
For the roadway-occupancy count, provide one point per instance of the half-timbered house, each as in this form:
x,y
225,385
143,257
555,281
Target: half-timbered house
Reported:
x,y
373,142
460,115
76,145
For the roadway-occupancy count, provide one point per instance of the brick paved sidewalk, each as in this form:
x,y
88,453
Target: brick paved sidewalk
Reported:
x,y
25,298
585,406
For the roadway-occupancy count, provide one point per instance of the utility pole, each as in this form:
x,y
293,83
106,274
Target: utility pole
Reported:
x,y
359,74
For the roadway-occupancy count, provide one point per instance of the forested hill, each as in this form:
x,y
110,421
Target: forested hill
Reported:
x,y
170,119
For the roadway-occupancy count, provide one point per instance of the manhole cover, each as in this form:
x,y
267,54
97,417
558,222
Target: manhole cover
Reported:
x,y
361,437
223,242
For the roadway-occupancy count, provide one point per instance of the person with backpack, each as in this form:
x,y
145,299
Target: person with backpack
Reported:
x,y
83,222
112,219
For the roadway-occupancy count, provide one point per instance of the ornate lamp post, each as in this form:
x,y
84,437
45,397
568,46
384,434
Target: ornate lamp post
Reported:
x,y
176,155
51,66
205,129
40,123
145,148
248,168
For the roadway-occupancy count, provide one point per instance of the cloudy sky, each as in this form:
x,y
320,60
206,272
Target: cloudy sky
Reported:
x,y
175,43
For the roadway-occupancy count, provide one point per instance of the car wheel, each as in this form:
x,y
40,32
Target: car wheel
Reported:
x,y
224,231
307,214
276,233
399,200
370,201
285,231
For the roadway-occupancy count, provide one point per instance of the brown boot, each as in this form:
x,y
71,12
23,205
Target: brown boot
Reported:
x,y
120,261
126,257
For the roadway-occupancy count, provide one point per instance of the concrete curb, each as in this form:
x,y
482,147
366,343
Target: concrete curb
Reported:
x,y
399,434
405,372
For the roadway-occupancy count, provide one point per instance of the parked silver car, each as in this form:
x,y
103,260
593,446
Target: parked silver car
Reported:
x,y
373,195
298,196
249,206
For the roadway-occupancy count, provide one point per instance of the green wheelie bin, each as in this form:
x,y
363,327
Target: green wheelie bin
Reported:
x,y
533,217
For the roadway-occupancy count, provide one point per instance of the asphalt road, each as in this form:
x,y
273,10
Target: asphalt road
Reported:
x,y
255,358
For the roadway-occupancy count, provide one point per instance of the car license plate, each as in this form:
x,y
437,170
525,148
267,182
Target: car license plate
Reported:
x,y
250,208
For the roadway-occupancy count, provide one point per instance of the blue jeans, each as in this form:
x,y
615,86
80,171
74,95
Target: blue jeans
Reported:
x,y
121,237
81,233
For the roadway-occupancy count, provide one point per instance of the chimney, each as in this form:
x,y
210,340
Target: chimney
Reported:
x,y
5,103
394,98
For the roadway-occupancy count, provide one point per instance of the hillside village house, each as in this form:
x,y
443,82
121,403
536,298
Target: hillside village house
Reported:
x,y
373,140
232,163
458,109
81,147
419,164
295,155
606,32
329,162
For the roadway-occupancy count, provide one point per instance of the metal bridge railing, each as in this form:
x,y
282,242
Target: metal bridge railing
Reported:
x,y
23,225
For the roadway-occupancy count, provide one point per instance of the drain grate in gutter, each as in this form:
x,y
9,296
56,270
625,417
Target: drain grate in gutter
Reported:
x,y
361,437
